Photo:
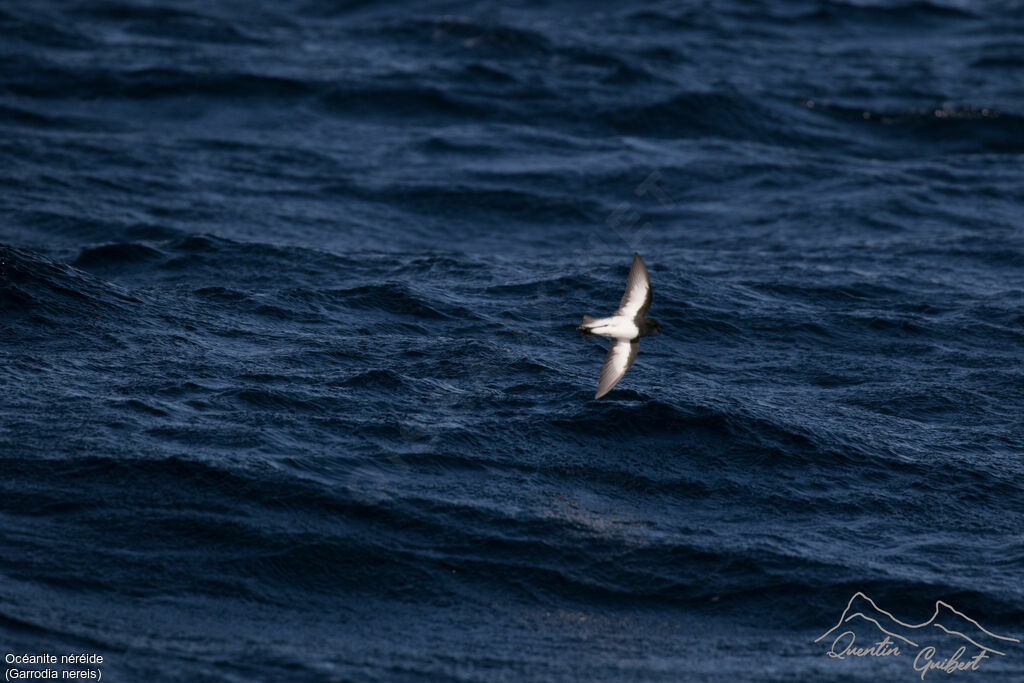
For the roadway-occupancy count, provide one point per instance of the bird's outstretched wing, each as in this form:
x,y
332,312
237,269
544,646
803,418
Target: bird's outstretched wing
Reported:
x,y
637,298
621,355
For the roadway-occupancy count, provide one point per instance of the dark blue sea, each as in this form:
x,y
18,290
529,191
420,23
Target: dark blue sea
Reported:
x,y
290,385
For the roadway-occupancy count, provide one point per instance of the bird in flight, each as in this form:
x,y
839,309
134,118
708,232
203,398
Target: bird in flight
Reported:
x,y
624,327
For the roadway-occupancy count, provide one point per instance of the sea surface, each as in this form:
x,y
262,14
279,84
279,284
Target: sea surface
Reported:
x,y
290,387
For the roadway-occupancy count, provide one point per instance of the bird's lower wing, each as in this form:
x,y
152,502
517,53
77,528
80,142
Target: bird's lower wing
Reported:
x,y
621,355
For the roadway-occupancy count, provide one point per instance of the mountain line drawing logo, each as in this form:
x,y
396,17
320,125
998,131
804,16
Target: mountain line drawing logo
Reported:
x,y
934,640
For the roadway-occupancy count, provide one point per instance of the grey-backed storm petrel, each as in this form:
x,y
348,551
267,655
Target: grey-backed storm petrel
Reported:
x,y
624,327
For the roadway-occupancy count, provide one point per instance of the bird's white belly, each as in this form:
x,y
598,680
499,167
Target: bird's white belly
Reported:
x,y
617,327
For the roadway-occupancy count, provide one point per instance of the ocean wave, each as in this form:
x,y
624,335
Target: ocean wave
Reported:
x,y
897,11
32,283
701,114
467,33
166,22
115,254
969,129
56,80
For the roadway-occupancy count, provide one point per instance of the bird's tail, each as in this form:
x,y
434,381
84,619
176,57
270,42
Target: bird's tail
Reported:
x,y
585,325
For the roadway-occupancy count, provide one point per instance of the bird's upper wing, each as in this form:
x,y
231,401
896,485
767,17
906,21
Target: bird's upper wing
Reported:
x,y
621,355
637,298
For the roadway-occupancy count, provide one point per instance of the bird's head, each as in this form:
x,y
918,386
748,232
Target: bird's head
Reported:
x,y
652,326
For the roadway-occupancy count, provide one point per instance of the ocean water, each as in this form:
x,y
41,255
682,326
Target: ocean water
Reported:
x,y
290,387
